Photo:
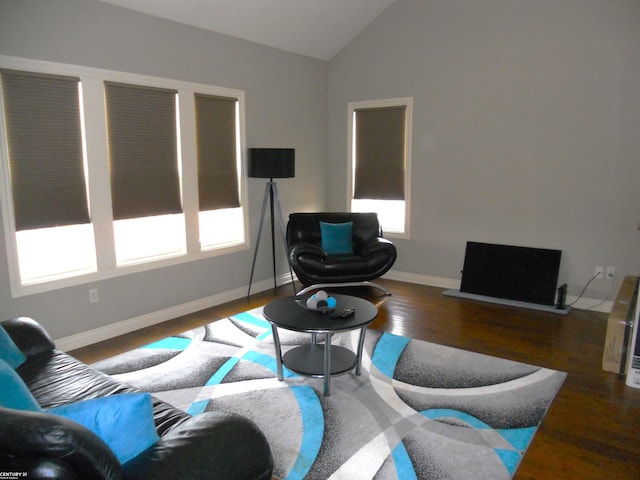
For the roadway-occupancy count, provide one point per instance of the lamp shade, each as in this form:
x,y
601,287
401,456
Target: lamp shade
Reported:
x,y
272,162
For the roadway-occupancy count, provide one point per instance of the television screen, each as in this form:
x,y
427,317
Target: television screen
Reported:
x,y
516,273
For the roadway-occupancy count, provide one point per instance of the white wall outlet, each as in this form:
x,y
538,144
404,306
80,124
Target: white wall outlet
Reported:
x,y
93,295
610,273
599,273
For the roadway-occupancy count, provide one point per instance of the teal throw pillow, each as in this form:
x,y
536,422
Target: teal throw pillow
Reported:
x,y
124,422
13,391
8,350
336,237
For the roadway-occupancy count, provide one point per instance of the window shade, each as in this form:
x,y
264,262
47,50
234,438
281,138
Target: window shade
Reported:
x,y
217,161
44,137
143,150
380,153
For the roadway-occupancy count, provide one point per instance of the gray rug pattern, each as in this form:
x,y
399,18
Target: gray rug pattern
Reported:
x,y
418,410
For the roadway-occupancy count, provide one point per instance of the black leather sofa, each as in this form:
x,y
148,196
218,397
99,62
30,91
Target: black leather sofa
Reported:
x,y
371,258
212,445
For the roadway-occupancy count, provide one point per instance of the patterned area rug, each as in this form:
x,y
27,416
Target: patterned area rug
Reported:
x,y
418,410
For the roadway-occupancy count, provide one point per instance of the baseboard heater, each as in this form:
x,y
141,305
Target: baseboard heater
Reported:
x,y
516,276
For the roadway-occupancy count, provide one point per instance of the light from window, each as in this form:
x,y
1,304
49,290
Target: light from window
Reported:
x,y
390,212
220,228
143,239
47,254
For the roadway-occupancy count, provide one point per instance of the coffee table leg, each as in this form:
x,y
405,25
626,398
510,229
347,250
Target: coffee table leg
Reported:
x,y
327,364
363,332
276,341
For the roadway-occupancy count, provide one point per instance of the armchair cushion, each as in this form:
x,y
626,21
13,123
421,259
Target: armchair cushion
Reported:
x,y
124,422
336,237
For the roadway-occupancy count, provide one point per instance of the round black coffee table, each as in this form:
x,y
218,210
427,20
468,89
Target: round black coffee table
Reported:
x,y
314,359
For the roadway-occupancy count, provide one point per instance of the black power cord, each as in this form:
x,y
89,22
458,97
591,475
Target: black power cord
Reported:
x,y
613,284
585,287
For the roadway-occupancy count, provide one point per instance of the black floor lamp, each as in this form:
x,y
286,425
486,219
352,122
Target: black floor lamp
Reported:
x,y
271,163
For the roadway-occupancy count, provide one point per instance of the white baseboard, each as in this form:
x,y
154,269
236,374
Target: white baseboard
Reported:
x,y
449,283
126,326
422,279
149,319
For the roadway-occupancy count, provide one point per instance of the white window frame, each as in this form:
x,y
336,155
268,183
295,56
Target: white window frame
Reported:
x,y
92,81
391,102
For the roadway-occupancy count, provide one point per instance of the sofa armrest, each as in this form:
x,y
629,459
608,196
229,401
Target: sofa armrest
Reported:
x,y
38,468
29,336
38,440
211,444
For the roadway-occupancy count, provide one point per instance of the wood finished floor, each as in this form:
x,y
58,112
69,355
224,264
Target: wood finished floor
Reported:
x,y
592,430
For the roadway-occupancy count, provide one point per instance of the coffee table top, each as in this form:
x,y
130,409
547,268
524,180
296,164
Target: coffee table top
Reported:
x,y
288,313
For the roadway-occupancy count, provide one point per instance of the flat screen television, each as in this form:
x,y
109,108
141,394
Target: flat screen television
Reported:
x,y
516,273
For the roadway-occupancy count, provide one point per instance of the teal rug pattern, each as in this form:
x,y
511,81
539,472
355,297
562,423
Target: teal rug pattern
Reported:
x,y
417,411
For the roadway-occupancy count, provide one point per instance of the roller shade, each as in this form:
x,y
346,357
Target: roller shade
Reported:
x,y
44,137
380,153
143,150
217,157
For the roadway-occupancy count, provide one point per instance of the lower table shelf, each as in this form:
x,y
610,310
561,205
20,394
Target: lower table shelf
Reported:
x,y
309,360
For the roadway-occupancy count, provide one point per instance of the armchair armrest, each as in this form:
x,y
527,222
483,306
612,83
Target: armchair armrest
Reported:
x,y
374,245
37,441
298,249
29,336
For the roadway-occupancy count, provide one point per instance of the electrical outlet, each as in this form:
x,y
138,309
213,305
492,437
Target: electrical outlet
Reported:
x,y
93,295
610,273
599,273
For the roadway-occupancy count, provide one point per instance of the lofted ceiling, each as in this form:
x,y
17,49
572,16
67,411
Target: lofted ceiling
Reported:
x,y
314,28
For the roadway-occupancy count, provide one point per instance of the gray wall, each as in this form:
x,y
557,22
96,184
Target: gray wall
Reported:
x,y
285,107
526,127
526,119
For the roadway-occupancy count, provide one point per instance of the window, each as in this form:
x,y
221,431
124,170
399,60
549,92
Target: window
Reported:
x,y
47,175
218,134
380,160
105,173
144,172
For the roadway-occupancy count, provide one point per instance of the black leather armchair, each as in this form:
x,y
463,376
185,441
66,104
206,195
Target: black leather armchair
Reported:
x,y
372,254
